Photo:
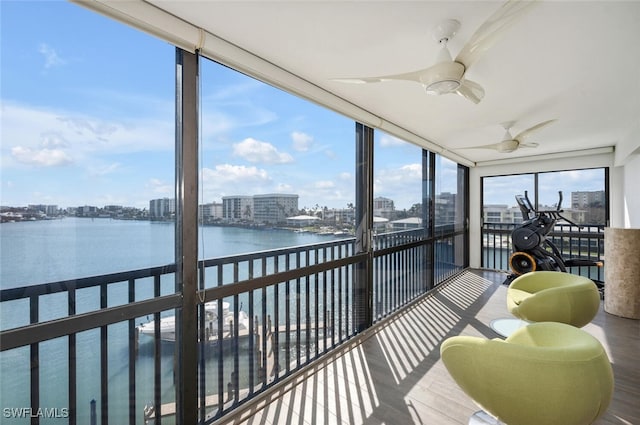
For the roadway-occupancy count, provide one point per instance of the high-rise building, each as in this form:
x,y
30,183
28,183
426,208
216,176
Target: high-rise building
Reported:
x,y
383,207
49,210
210,212
237,208
586,199
162,208
87,211
274,208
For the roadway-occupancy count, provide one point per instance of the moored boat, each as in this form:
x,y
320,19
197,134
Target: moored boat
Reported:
x,y
168,328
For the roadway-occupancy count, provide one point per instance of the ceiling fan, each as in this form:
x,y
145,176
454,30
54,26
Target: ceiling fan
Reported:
x,y
447,75
510,143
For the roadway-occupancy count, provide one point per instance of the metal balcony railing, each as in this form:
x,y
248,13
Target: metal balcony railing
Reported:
x,y
586,242
99,349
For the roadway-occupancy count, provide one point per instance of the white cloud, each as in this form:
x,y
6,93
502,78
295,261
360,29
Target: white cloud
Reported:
x,y
74,135
105,169
389,177
284,188
345,176
402,184
215,123
228,179
51,58
330,154
238,174
233,92
301,141
334,193
256,151
414,170
390,141
324,184
231,105
53,140
158,186
93,128
41,157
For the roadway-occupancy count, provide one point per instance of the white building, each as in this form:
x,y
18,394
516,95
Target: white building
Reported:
x,y
383,207
499,213
210,212
237,208
162,208
274,208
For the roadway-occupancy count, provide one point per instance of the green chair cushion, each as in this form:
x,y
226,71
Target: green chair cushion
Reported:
x,y
553,296
545,373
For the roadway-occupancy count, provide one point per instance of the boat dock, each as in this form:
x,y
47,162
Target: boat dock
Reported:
x,y
270,368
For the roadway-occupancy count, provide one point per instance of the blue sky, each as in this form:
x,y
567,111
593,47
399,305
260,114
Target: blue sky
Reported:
x,y
502,189
88,119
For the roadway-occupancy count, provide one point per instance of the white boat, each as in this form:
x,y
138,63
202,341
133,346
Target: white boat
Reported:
x,y
168,327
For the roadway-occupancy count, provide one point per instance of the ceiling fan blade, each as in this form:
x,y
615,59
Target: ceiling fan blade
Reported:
x,y
494,146
491,30
363,80
526,133
528,145
471,90
407,76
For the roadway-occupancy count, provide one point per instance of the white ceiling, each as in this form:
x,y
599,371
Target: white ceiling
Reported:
x,y
574,61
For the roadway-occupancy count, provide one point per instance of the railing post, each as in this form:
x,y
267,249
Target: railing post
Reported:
x,y
362,285
93,416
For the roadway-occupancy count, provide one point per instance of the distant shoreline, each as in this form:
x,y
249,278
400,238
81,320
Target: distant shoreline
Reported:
x,y
328,229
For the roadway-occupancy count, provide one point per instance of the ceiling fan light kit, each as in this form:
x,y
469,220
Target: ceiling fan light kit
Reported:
x,y
444,77
507,146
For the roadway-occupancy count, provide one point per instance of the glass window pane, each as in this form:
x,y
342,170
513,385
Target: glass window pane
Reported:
x,y
449,199
397,187
501,213
87,143
270,161
277,193
499,197
583,194
450,216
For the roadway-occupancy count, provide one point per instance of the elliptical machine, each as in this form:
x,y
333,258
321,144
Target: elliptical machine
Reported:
x,y
531,249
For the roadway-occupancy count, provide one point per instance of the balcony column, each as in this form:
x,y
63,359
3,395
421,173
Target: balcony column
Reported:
x,y
186,236
363,279
428,213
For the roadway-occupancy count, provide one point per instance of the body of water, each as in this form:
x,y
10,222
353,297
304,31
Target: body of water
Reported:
x,y
52,250
47,251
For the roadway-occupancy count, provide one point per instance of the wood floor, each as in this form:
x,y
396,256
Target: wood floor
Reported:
x,y
392,374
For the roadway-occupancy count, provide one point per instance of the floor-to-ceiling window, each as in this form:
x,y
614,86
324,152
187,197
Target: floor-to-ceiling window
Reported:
x,y
500,213
450,217
87,190
397,190
580,195
271,160
402,257
277,197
